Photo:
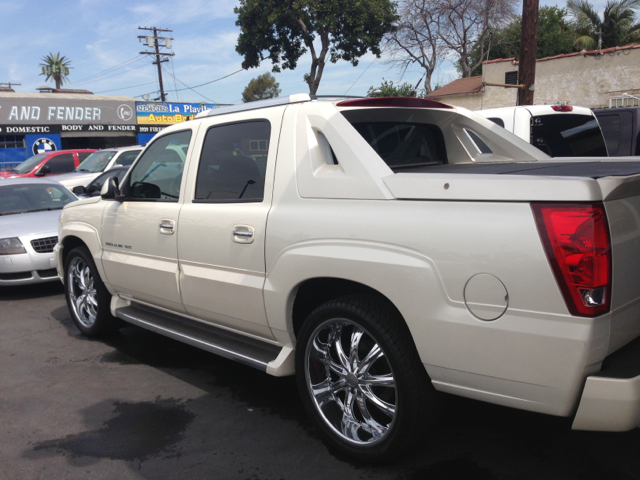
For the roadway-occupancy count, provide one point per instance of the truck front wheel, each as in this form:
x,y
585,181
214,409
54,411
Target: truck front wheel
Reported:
x,y
87,297
361,379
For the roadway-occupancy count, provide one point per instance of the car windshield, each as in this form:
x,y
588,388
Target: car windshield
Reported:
x,y
96,162
568,135
29,163
33,197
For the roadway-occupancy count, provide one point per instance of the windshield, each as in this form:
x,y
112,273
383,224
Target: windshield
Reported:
x,y
568,135
96,162
34,197
29,163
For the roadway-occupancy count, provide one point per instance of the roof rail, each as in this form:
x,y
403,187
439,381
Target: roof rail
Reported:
x,y
272,102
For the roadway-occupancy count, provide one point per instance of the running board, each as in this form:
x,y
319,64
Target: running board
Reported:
x,y
227,344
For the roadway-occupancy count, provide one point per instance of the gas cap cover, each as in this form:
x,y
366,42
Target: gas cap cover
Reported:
x,y
486,297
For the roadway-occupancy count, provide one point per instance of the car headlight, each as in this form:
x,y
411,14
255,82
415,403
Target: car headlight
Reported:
x,y
11,246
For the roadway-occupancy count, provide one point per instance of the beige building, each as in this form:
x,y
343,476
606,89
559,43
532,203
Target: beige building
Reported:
x,y
593,79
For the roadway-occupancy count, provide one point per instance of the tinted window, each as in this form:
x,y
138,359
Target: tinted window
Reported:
x,y
617,130
82,156
23,198
233,163
61,164
126,159
497,121
29,163
568,136
404,144
158,174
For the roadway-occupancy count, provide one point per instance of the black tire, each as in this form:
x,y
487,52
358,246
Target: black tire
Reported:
x,y
87,297
370,411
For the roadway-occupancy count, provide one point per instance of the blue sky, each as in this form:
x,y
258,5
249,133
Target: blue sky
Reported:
x,y
100,38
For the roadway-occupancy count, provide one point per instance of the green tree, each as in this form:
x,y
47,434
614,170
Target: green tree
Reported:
x,y
617,27
260,88
55,68
556,35
388,89
284,30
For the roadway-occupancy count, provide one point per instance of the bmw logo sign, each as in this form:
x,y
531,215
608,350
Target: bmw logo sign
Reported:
x,y
43,145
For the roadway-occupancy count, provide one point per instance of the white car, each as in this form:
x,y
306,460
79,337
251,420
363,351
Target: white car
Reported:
x,y
557,130
29,212
99,162
383,250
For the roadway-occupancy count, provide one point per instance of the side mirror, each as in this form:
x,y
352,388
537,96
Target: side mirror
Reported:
x,y
110,189
79,190
42,171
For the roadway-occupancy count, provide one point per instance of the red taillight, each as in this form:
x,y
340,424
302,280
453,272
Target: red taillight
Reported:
x,y
403,102
562,108
576,240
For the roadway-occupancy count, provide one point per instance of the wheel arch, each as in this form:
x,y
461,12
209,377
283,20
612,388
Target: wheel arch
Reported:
x,y
313,292
75,234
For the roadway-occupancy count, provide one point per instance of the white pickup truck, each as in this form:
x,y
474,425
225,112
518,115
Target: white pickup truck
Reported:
x,y
382,250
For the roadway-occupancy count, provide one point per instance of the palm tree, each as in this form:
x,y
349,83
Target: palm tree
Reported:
x,y
56,68
618,26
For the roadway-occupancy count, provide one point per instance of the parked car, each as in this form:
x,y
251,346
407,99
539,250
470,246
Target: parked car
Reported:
x,y
98,162
48,164
621,129
93,189
383,250
557,130
29,212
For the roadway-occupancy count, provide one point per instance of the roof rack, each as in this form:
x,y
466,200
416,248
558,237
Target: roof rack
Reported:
x,y
272,102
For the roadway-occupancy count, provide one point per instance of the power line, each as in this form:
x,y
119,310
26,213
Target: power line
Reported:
x,y
96,77
360,76
124,88
212,81
190,88
154,42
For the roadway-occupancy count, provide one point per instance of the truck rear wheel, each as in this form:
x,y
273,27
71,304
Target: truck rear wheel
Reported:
x,y
362,380
87,297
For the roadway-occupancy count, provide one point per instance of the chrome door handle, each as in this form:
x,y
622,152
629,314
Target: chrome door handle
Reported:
x,y
167,226
243,233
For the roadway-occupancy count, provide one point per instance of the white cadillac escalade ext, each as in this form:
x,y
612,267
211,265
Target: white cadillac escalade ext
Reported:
x,y
383,251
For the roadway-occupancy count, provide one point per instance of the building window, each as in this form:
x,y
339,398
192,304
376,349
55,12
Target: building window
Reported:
x,y
511,78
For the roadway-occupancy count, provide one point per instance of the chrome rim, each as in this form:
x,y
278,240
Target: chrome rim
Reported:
x,y
82,292
351,382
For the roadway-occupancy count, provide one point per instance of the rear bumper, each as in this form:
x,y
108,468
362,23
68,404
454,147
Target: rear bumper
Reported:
x,y
611,399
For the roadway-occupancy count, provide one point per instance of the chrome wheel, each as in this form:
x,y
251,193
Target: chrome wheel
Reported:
x,y
351,382
83,295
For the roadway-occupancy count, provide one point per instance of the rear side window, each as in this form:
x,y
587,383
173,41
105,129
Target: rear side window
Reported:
x,y
497,121
61,164
617,130
404,144
567,135
83,155
127,158
233,163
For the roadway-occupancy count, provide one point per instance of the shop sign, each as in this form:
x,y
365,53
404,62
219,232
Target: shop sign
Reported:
x,y
152,113
34,129
51,110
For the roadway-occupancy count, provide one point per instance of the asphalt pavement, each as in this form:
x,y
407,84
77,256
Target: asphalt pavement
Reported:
x,y
136,405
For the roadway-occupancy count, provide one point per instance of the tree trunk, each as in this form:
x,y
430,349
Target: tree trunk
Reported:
x,y
57,79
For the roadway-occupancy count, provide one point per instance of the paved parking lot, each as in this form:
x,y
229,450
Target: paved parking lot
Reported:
x,y
136,405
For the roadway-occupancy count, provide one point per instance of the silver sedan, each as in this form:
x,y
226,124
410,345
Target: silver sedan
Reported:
x,y
29,213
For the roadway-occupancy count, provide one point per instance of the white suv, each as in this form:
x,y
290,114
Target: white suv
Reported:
x,y
99,162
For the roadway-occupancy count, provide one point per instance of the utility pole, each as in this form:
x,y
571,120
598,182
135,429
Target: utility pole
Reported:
x,y
528,47
154,42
